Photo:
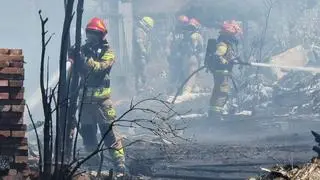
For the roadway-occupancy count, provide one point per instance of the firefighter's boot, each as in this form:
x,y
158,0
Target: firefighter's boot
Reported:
x,y
215,114
119,163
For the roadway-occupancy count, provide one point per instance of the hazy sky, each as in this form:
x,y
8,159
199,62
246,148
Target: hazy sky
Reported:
x,y
20,28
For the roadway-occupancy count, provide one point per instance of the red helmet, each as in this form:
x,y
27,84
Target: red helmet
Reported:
x,y
97,24
195,23
183,19
231,27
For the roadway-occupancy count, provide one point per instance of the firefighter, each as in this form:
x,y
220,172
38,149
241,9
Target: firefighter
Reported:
x,y
196,55
219,60
175,51
97,61
142,50
184,49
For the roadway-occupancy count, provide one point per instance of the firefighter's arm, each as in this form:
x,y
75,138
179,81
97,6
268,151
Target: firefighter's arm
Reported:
x,y
107,61
71,54
222,49
140,40
197,42
196,39
169,40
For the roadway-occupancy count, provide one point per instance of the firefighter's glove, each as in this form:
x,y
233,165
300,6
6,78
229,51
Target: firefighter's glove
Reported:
x,y
206,67
93,64
144,52
223,61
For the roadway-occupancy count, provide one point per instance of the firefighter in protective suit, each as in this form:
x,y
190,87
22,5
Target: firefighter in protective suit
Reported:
x,y
196,55
219,60
142,50
184,47
97,60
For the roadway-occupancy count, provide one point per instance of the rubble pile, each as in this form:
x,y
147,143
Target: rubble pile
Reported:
x,y
254,93
295,89
309,171
295,93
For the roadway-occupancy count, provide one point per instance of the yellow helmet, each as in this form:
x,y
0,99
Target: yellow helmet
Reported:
x,y
147,22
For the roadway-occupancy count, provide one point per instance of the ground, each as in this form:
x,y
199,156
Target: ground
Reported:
x,y
236,148
233,149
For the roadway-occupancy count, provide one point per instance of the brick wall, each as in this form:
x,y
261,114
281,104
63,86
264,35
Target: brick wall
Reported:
x,y
13,143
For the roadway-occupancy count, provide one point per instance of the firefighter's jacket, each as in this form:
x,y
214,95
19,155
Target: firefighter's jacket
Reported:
x,y
96,64
142,42
220,56
185,42
197,44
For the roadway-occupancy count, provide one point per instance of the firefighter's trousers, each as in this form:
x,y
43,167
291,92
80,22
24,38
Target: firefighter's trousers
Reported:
x,y
99,112
175,72
219,93
140,74
180,67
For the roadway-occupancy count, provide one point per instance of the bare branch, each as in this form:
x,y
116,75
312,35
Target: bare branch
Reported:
x,y
75,78
46,107
159,125
47,88
49,39
38,139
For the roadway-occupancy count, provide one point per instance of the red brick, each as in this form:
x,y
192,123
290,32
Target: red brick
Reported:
x,y
14,127
11,89
6,121
9,177
10,115
5,133
14,95
11,76
5,108
11,58
4,83
4,64
18,148
18,133
23,148
12,141
16,64
26,172
17,108
12,70
16,51
4,51
4,95
12,172
12,151
11,63
12,101
19,166
21,159
15,83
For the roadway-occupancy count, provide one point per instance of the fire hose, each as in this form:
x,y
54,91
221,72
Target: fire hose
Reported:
x,y
254,64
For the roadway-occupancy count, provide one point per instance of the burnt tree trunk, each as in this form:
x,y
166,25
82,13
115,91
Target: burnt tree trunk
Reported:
x,y
61,113
74,81
46,107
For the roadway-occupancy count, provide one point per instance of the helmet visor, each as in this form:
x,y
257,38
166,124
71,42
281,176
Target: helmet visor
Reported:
x,y
94,36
